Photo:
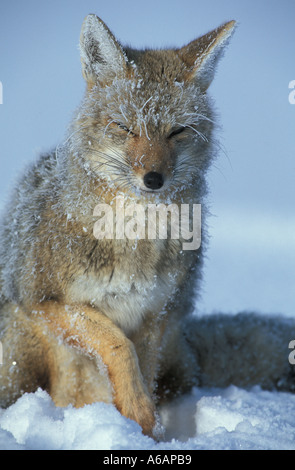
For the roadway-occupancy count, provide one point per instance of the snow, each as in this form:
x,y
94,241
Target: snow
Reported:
x,y
205,419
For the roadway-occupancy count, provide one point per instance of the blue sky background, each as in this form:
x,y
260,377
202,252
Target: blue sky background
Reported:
x,y
251,261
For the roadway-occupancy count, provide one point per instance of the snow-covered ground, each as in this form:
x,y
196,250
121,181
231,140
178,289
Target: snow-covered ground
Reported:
x,y
212,419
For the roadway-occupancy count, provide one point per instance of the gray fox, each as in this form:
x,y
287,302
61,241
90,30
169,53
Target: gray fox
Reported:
x,y
89,317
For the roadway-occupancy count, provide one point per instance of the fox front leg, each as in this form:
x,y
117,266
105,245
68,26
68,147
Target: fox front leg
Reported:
x,y
96,336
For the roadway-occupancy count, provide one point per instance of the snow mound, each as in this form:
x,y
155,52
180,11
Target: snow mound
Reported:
x,y
229,418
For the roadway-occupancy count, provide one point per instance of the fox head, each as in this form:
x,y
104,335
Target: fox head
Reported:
x,y
146,121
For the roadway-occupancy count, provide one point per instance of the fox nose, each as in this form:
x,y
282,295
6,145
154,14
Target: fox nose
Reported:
x,y
153,180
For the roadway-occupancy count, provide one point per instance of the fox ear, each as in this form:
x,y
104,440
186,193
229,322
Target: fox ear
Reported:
x,y
101,54
202,55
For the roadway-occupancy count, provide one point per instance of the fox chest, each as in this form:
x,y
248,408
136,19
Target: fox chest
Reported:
x,y
129,282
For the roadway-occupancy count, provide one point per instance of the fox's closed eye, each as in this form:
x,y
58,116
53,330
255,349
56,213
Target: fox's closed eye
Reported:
x,y
177,131
124,128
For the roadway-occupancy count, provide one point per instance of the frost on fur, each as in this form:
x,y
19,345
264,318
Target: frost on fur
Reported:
x,y
101,54
151,94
